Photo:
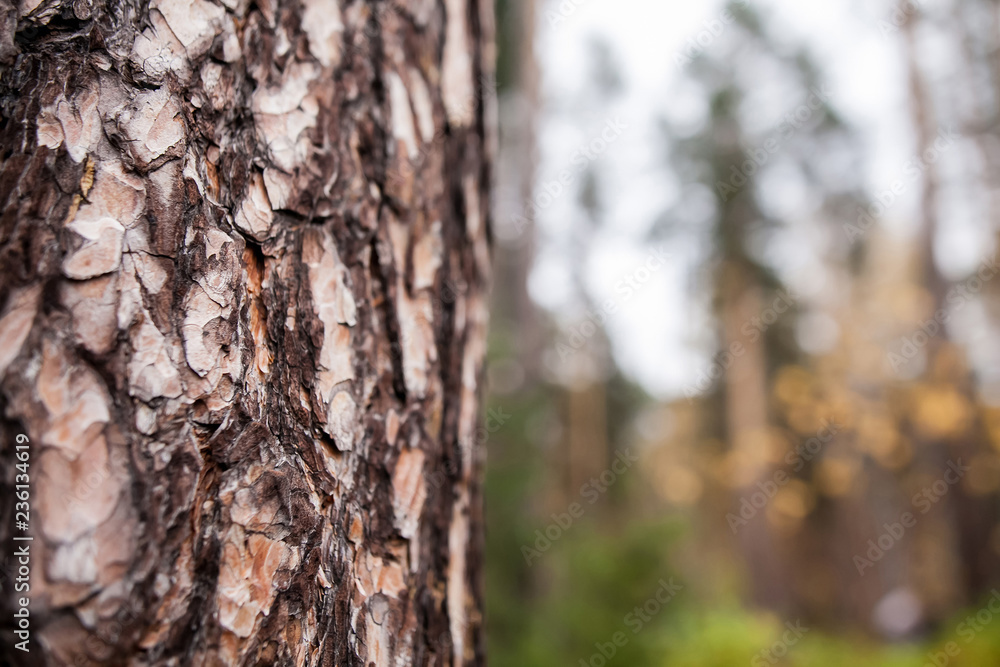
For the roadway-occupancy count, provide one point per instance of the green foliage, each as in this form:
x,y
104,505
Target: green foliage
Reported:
x,y
717,638
581,590
726,636
588,586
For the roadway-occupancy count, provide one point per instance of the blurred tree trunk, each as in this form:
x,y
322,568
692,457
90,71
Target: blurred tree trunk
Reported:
x,y
246,253
747,423
516,165
971,516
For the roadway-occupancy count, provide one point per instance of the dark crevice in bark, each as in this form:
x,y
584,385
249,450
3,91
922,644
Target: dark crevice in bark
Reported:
x,y
383,273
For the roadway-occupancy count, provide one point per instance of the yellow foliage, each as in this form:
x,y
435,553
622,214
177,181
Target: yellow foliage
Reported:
x,y
984,476
681,485
940,411
835,476
739,468
793,385
794,500
877,435
899,457
806,418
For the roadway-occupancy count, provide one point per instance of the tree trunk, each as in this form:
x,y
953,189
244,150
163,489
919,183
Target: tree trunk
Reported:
x,y
245,256
747,424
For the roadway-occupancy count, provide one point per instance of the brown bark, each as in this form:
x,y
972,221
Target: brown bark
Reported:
x,y
245,256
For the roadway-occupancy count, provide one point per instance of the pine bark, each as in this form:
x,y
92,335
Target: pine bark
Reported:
x,y
246,253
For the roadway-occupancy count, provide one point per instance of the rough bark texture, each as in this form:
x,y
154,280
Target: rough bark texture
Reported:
x,y
245,253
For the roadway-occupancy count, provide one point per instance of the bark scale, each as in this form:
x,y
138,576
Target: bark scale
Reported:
x,y
245,251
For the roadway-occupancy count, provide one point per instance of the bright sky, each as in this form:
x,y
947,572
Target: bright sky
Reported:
x,y
661,335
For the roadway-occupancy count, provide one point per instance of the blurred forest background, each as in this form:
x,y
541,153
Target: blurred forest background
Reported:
x,y
812,475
